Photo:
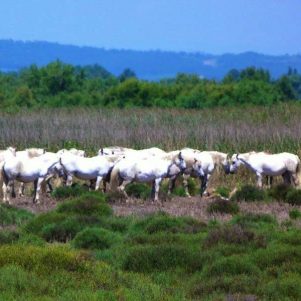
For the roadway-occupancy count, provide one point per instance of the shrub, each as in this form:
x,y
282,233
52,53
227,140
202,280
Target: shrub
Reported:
x,y
87,204
249,193
138,190
13,216
293,197
148,258
65,192
31,239
294,214
164,223
36,224
231,265
223,191
7,237
229,234
223,206
62,231
94,238
279,192
253,219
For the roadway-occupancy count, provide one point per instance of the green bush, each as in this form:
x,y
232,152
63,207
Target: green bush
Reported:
x,y
138,190
249,193
229,234
223,206
7,237
253,219
65,192
63,231
148,258
31,239
223,191
86,204
293,197
279,192
295,214
231,265
13,216
36,224
162,222
94,238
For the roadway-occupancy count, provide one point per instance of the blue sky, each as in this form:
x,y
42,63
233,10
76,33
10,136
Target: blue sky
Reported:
x,y
212,26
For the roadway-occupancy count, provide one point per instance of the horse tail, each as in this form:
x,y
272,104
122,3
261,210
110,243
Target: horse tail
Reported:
x,y
114,177
108,175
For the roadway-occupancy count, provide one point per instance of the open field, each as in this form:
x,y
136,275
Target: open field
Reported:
x,y
80,249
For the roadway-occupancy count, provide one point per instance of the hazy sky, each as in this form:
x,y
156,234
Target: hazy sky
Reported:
x,y
213,26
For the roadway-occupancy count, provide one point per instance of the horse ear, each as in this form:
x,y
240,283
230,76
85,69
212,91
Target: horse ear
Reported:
x,y
237,156
101,151
180,156
195,160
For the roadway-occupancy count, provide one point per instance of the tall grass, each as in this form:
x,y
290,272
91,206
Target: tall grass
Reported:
x,y
275,128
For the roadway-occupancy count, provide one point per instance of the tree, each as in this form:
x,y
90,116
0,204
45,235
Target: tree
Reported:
x,y
126,74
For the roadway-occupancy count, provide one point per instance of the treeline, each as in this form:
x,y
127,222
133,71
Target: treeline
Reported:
x,y
64,85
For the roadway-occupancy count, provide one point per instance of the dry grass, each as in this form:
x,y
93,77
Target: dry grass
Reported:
x,y
277,128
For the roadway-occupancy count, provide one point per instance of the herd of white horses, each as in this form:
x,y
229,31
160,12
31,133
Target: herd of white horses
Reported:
x,y
119,166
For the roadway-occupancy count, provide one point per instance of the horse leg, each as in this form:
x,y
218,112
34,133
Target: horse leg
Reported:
x,y
205,192
6,191
122,186
98,180
69,180
49,186
157,187
104,185
13,193
185,184
259,180
153,190
171,185
21,189
37,188
295,179
286,178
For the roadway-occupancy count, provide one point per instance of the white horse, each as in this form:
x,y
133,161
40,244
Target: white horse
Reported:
x,y
96,168
262,164
7,153
200,165
74,151
35,170
153,169
27,154
123,151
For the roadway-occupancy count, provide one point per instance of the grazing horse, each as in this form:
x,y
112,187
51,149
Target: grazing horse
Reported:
x,y
35,170
153,169
74,151
27,154
200,165
262,164
96,168
122,151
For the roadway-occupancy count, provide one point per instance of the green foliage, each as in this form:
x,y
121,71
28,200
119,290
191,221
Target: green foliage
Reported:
x,y
279,192
13,216
148,258
295,214
229,234
138,190
223,191
164,223
293,197
249,193
65,192
62,85
86,204
7,237
223,206
94,238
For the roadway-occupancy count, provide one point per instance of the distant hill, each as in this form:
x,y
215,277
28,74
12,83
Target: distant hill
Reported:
x,y
152,65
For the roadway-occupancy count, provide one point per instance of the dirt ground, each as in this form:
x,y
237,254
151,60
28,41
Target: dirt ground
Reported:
x,y
195,207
